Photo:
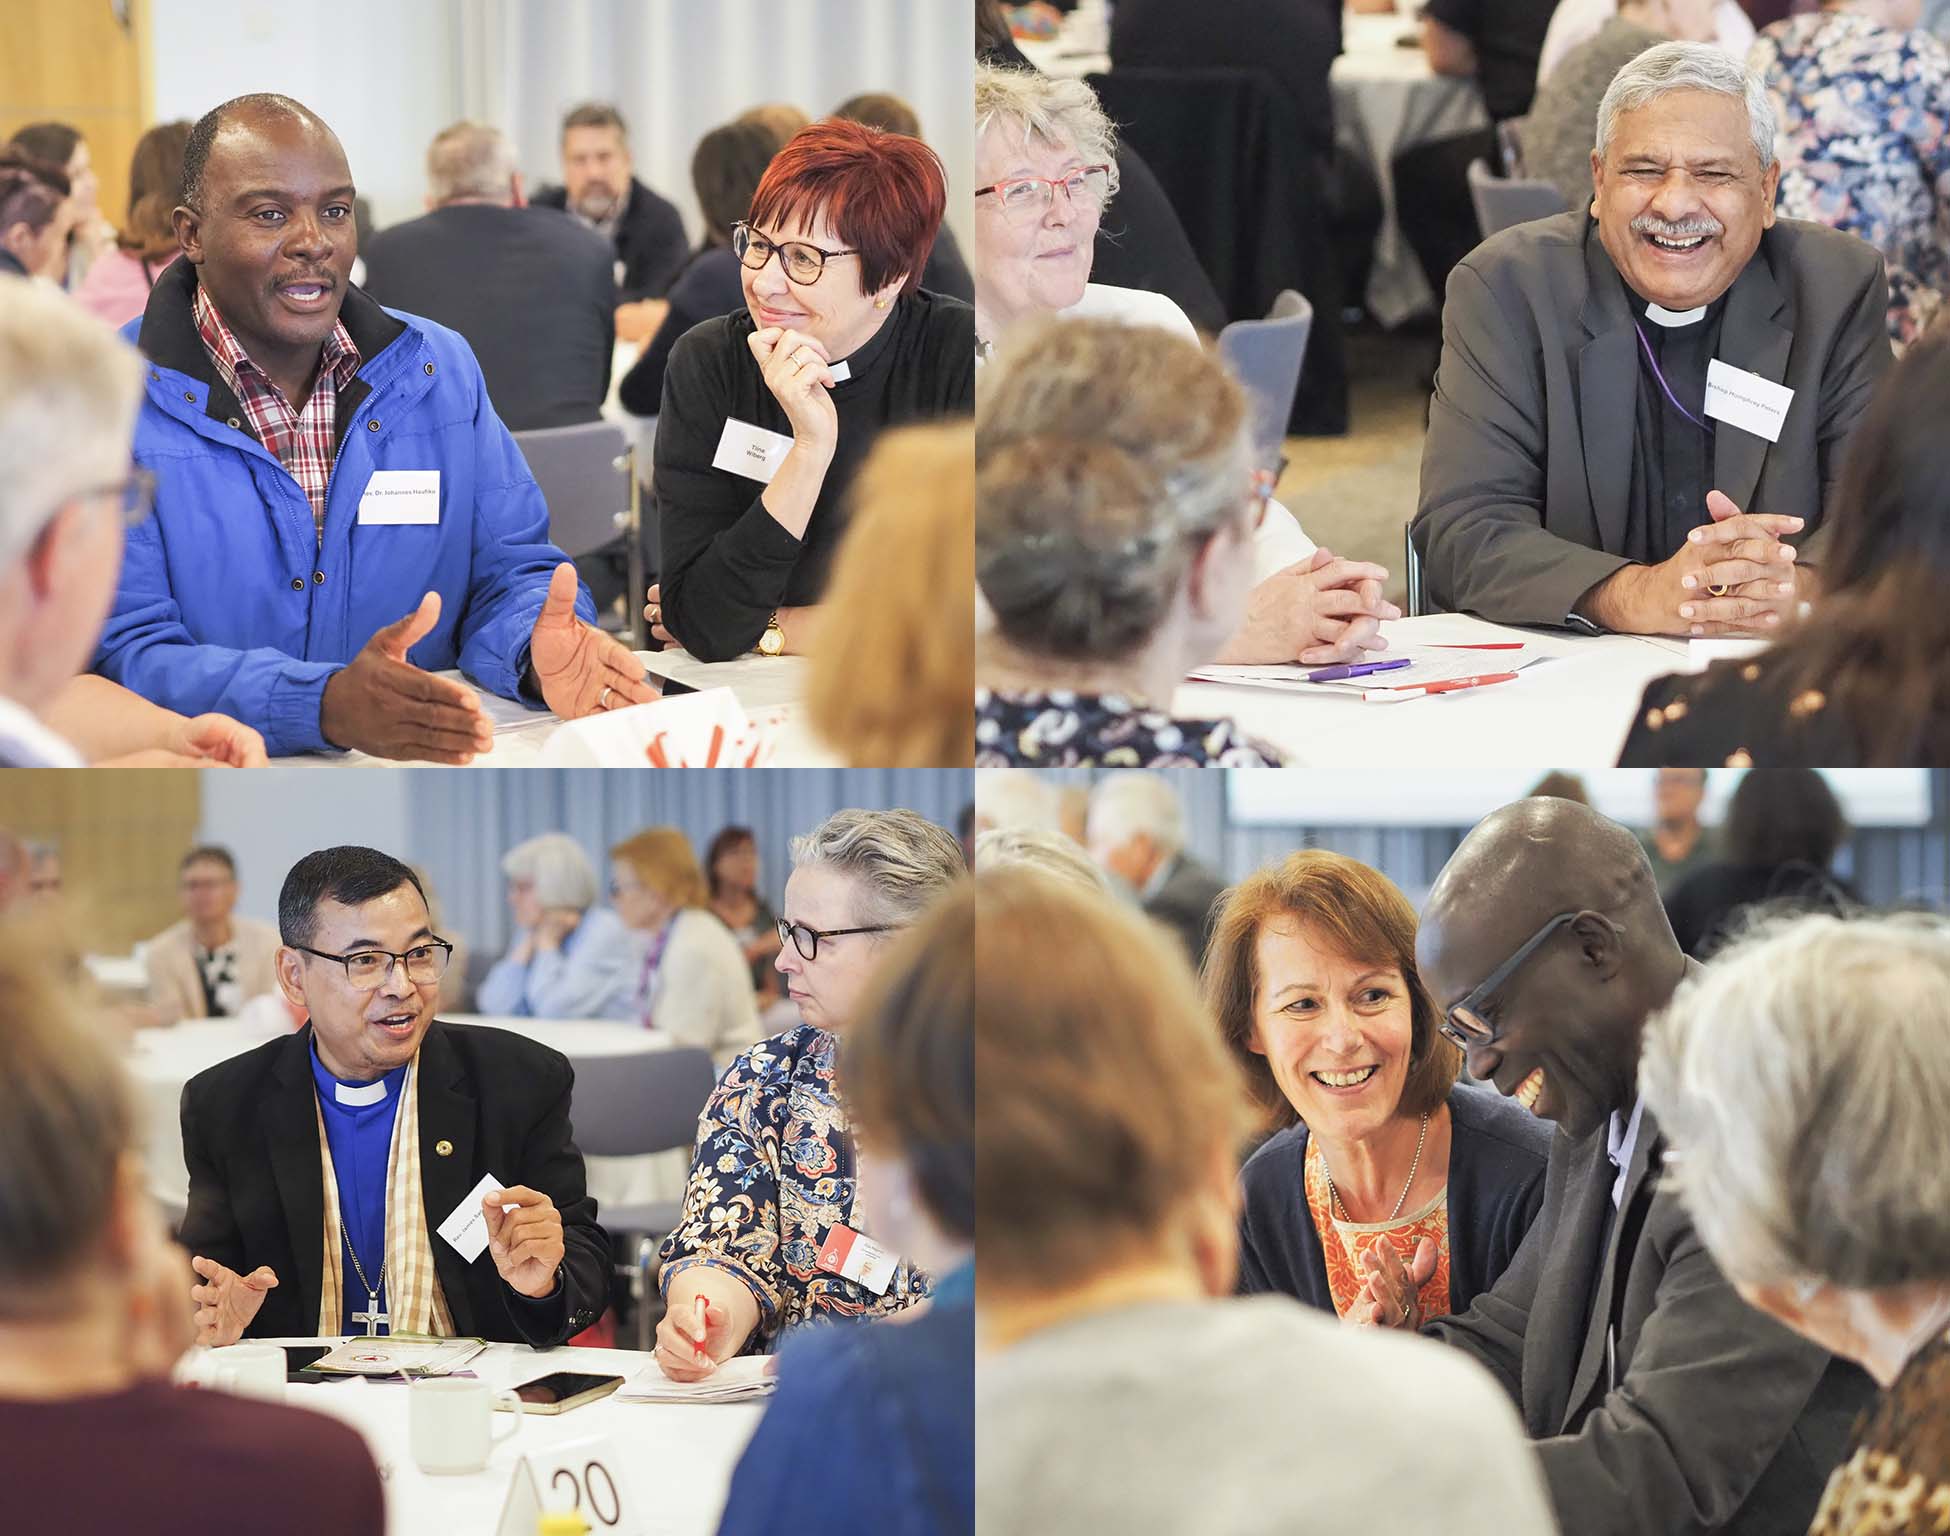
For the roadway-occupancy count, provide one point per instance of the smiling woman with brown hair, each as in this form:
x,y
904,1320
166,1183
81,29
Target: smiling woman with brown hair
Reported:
x,y
1311,976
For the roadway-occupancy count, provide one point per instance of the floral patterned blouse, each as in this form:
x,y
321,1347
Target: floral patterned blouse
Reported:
x,y
1895,1479
1343,1242
1864,117
773,1172
1079,730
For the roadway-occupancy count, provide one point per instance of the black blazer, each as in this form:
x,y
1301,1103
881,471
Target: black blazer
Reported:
x,y
530,288
1183,902
1714,1418
650,240
1497,1155
257,1195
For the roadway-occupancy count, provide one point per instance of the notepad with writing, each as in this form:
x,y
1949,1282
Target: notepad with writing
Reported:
x,y
1426,664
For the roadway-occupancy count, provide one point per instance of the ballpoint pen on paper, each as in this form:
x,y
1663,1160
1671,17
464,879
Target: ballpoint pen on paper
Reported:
x,y
1356,669
1448,685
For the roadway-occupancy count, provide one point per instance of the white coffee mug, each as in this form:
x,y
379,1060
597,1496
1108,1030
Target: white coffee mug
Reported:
x,y
451,1423
249,1370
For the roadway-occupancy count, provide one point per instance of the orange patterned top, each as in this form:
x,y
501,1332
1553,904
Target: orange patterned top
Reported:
x,y
1343,1242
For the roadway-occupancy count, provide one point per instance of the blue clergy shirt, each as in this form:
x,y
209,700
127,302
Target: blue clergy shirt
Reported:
x,y
359,1130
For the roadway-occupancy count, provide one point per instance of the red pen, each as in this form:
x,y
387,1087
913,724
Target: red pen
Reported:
x,y
1478,645
1482,679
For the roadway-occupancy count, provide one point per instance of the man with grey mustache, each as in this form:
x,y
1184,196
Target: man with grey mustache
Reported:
x,y
1640,413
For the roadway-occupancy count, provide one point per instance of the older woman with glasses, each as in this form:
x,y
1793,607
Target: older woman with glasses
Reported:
x,y
769,1213
768,412
1311,975
1046,169
570,959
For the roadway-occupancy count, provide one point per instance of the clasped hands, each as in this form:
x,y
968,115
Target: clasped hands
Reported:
x,y
1732,576
1317,611
382,704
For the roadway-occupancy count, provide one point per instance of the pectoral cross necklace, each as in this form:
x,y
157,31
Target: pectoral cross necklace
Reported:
x,y
372,1317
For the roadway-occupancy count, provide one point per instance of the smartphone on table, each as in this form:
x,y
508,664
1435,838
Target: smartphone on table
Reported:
x,y
562,1390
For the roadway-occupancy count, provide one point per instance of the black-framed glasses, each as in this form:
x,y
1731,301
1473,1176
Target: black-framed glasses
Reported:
x,y
1023,199
800,262
806,940
369,969
1467,1024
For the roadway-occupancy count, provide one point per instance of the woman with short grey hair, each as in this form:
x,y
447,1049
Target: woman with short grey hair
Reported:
x,y
773,1182
1801,1082
570,959
1116,508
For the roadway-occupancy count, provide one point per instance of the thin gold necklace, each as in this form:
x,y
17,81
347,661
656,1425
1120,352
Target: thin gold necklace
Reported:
x,y
1333,1196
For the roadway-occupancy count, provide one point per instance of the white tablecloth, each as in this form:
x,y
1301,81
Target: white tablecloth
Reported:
x,y
1572,710
520,733
163,1060
677,1458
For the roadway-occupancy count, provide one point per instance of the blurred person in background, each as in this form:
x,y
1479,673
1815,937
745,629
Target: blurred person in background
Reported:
x,y
889,688
690,976
1800,1080
88,233
1676,843
117,286
1311,977
1135,832
92,1320
212,962
35,214
731,870
779,118
775,1173
43,871
570,959
1784,827
68,393
880,1419
1050,853
1121,1386
13,869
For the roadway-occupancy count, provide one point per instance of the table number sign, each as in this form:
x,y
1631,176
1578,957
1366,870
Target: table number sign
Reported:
x,y
585,1475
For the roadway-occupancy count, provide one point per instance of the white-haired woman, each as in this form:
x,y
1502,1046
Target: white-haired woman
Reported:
x,y
767,1235
570,959
1048,853
1800,1081
1046,168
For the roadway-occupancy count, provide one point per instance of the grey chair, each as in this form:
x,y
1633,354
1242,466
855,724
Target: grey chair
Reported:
x,y
587,474
1265,356
1505,200
629,1106
1418,595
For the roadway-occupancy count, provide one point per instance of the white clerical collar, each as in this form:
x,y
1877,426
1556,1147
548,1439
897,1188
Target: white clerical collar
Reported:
x,y
1659,315
363,1094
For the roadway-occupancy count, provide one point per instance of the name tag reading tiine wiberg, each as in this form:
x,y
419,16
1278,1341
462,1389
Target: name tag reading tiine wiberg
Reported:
x,y
751,451
857,1257
1746,400
401,496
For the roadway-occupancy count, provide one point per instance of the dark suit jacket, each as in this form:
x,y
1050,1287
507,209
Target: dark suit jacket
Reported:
x,y
650,240
1527,467
1183,903
530,288
257,1193
1717,1418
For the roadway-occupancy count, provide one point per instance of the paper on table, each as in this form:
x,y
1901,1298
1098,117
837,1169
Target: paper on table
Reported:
x,y
1427,664
692,730
403,1354
1701,654
735,1381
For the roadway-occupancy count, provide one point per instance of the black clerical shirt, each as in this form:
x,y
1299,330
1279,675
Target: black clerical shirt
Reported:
x,y
1672,458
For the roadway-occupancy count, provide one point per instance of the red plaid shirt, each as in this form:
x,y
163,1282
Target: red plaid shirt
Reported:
x,y
302,440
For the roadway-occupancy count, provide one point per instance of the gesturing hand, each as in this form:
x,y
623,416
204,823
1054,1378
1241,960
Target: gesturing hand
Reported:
x,y
221,741
1391,1298
580,669
526,1243
381,703
227,1301
795,369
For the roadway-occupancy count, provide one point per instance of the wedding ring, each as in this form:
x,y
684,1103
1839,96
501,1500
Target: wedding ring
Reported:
x,y
602,699
1717,589
1404,1316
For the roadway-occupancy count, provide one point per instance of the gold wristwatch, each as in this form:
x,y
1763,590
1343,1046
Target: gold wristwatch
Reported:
x,y
772,642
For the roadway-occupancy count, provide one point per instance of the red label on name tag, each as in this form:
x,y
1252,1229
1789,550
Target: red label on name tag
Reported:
x,y
853,1256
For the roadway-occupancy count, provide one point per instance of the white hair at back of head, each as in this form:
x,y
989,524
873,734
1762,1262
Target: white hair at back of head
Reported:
x,y
1670,67
470,160
69,388
1800,1081
1009,797
1048,853
1126,805
556,866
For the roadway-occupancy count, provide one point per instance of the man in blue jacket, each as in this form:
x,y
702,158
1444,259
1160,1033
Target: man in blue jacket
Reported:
x,y
339,512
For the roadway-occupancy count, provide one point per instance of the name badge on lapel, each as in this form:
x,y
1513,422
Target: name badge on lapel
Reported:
x,y
855,1256
1746,400
751,451
401,497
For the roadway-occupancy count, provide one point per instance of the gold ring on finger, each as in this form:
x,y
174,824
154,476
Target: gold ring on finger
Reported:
x,y
1718,588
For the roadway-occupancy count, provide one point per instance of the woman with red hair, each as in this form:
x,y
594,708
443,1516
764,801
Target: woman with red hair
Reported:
x,y
768,412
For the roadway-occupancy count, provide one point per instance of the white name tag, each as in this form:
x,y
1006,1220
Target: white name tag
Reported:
x,y
400,496
1746,400
855,1256
751,451
466,1226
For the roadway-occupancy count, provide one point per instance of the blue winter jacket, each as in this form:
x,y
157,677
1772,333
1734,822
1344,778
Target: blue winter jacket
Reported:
x,y
227,600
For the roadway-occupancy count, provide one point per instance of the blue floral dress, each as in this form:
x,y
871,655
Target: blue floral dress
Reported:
x,y
772,1173
1075,730
1864,119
